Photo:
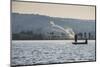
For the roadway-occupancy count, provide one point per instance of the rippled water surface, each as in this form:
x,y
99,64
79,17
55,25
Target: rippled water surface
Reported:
x,y
30,52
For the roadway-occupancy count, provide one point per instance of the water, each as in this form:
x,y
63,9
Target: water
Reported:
x,y
45,52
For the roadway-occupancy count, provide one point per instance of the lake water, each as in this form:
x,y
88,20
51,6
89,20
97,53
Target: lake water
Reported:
x,y
30,52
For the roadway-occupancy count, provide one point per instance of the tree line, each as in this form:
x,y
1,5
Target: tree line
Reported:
x,y
30,35
84,35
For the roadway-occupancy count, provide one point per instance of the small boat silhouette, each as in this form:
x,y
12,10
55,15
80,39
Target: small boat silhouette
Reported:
x,y
79,42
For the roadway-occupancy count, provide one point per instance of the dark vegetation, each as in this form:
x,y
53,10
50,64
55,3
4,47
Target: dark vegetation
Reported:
x,y
29,35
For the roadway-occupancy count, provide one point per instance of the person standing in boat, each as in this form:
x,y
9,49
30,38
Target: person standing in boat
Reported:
x,y
75,37
80,42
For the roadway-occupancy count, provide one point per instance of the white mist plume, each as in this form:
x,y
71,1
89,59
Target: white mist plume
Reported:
x,y
69,32
57,26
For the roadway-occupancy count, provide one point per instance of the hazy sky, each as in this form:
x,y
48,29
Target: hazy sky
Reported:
x,y
55,10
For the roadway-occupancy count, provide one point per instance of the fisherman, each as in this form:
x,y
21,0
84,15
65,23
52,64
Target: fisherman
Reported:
x,y
75,37
86,41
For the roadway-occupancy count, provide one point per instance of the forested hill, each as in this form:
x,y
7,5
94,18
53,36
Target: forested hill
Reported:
x,y
34,22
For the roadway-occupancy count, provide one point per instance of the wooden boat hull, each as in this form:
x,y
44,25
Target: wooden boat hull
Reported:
x,y
79,43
